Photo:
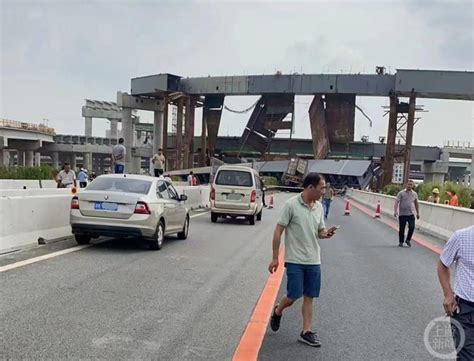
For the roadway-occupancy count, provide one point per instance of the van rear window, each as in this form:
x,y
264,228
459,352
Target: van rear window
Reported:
x,y
234,178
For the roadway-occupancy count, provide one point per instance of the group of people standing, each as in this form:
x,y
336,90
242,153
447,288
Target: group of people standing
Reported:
x,y
435,198
66,178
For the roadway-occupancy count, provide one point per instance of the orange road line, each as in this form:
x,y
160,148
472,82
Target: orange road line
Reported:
x,y
254,333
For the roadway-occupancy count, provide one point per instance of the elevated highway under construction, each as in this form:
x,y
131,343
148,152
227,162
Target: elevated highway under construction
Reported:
x,y
331,118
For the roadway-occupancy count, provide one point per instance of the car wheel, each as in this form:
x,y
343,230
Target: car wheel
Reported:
x,y
252,220
213,217
184,234
157,242
82,238
259,215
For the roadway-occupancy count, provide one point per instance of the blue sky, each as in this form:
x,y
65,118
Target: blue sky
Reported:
x,y
54,54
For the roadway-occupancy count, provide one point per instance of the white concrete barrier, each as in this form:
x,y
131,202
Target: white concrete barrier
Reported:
x,y
49,183
25,219
9,184
436,219
27,215
19,184
33,192
198,196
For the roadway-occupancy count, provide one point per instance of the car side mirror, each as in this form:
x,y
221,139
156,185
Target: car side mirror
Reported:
x,y
183,198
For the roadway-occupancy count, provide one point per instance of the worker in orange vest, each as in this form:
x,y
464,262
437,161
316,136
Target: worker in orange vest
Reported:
x,y
453,199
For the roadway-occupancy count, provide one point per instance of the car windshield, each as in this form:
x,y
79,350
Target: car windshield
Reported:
x,y
127,185
234,178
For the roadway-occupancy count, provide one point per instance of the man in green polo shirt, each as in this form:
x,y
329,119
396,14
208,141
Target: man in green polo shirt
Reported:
x,y
302,219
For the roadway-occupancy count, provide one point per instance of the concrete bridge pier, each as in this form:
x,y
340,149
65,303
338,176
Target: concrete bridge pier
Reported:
x,y
158,121
127,131
88,127
55,160
29,158
113,128
20,156
3,158
37,159
73,162
435,171
87,161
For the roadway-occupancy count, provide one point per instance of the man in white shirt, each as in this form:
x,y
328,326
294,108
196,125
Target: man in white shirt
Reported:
x,y
459,304
159,162
83,178
66,178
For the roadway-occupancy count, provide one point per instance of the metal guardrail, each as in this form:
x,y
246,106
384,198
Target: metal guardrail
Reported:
x,y
38,128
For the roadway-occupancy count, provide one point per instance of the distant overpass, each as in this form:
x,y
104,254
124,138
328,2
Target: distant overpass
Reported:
x,y
461,151
229,146
94,152
23,141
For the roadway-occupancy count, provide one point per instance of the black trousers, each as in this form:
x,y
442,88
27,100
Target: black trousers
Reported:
x,y
402,221
158,172
466,318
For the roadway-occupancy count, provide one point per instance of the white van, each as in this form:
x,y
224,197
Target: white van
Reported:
x,y
236,192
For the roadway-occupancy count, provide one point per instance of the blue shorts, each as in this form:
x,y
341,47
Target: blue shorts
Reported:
x,y
302,280
119,169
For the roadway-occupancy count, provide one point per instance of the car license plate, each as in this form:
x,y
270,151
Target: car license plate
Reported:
x,y
234,197
106,206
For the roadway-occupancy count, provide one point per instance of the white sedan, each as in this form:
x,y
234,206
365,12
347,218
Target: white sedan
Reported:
x,y
125,205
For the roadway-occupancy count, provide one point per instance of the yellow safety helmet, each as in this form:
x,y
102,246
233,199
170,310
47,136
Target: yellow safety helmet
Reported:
x,y
435,190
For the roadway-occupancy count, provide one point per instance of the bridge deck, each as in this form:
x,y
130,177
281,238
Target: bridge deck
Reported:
x,y
437,84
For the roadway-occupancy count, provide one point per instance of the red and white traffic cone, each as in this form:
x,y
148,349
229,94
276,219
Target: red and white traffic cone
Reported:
x,y
270,205
377,210
347,209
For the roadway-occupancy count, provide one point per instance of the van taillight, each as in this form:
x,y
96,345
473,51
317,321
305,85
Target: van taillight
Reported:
x,y
213,194
142,208
253,196
74,203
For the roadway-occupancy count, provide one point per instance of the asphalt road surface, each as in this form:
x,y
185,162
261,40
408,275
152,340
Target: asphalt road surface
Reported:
x,y
193,299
